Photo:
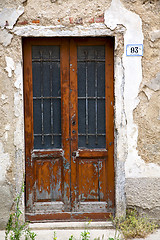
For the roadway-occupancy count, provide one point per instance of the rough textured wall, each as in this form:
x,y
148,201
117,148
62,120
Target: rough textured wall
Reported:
x,y
63,12
147,113
144,194
11,109
11,125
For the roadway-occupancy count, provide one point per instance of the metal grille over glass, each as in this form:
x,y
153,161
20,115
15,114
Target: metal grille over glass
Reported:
x,y
46,97
91,96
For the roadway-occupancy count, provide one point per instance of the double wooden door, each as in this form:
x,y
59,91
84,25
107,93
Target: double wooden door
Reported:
x,y
69,140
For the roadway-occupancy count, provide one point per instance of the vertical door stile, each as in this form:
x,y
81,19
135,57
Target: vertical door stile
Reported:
x,y
73,122
109,68
65,121
28,118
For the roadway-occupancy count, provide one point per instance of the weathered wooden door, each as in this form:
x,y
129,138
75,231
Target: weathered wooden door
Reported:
x,y
69,140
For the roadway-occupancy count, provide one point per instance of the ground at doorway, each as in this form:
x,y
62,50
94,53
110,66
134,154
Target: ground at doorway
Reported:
x,y
63,230
154,236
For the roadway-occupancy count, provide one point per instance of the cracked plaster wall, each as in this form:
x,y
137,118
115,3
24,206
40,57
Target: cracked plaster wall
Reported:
x,y
11,112
146,115
137,83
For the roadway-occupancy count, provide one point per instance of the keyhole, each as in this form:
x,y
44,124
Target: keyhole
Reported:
x,y
73,123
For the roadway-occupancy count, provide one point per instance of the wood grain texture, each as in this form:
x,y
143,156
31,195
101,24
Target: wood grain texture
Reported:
x,y
109,66
28,120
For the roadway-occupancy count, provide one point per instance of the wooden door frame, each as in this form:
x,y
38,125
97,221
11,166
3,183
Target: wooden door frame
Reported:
x,y
109,68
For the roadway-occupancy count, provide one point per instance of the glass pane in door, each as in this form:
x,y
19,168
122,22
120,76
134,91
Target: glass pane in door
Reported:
x,y
46,97
91,96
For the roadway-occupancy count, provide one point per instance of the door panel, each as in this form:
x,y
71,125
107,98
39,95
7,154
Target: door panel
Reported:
x,y
91,160
48,184
91,173
46,127
68,95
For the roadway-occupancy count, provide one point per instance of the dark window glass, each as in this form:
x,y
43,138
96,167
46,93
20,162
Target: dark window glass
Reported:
x,y
46,97
91,96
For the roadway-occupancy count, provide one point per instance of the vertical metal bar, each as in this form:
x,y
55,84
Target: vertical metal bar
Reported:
x,y
50,68
98,184
42,105
96,105
86,57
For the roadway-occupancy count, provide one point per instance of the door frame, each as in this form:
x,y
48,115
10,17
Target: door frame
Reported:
x,y
109,108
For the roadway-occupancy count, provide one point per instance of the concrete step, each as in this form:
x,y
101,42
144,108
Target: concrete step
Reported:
x,y
64,230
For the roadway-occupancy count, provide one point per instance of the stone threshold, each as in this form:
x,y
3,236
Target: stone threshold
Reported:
x,y
64,230
71,225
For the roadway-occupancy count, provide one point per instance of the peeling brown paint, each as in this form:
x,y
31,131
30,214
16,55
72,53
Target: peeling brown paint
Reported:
x,y
69,175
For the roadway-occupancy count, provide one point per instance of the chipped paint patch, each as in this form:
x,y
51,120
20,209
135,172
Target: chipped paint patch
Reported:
x,y
4,162
18,109
10,65
3,97
7,128
159,115
155,83
19,80
19,127
5,37
155,35
9,16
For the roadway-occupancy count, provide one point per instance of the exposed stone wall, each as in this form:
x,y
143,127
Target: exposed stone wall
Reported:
x,y
63,12
137,128
147,195
11,110
147,114
11,125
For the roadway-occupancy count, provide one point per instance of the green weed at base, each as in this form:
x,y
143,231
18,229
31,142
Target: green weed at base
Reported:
x,y
16,228
116,236
85,235
54,236
71,238
133,225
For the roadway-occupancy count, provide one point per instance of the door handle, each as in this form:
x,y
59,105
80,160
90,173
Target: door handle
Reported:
x,y
74,154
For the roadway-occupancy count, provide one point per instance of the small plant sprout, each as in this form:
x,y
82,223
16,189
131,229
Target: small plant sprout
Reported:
x,y
16,228
71,237
54,236
85,235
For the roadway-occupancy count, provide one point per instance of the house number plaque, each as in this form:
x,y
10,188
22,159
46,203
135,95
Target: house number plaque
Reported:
x,y
134,50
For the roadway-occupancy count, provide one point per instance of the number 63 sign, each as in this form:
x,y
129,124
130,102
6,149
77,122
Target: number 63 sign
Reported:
x,y
134,49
